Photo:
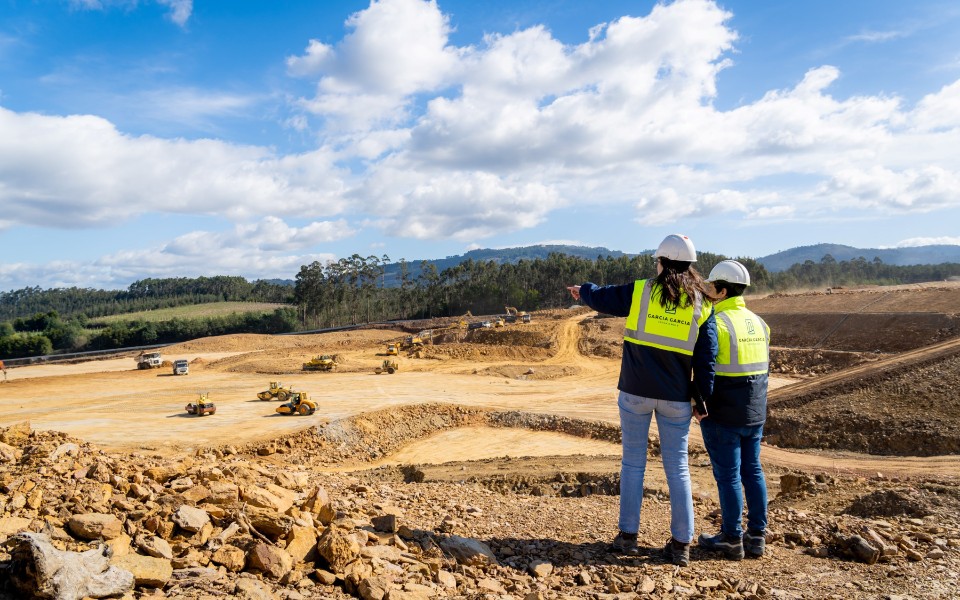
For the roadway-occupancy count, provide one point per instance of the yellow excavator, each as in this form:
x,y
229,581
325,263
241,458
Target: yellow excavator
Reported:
x,y
516,316
299,404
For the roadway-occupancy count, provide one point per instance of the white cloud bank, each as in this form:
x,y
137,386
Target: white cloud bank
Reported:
x,y
428,140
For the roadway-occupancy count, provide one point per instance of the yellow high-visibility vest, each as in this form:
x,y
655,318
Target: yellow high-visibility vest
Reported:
x,y
650,324
744,340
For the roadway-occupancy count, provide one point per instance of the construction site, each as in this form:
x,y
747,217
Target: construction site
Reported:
x,y
442,458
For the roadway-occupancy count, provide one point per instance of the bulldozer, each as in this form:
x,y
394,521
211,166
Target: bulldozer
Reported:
x,y
390,366
323,362
498,322
299,404
201,407
392,350
276,392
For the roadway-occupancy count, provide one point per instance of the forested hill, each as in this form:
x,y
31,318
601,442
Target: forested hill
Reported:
x,y
920,255
498,255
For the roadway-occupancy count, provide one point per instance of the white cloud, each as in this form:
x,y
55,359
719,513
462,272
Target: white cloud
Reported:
x,y
928,241
876,36
80,171
262,250
180,10
919,190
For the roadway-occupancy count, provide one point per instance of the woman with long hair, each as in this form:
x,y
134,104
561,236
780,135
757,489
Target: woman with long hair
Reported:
x,y
670,335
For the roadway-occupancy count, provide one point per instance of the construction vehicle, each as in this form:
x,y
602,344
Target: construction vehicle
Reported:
x,y
411,342
498,322
392,350
390,366
299,404
324,362
149,360
480,325
181,367
201,407
516,316
276,391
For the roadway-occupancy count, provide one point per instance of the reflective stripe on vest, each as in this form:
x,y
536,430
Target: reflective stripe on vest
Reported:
x,y
756,358
674,330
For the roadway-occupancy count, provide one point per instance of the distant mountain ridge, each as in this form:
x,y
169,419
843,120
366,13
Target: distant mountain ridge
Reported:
x,y
917,255
780,261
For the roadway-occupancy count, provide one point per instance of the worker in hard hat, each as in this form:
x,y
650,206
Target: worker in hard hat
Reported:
x,y
736,412
669,332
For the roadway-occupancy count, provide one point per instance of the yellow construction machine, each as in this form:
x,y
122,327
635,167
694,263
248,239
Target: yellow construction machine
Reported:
x,y
324,362
411,342
299,404
201,407
390,366
392,350
277,391
498,322
516,316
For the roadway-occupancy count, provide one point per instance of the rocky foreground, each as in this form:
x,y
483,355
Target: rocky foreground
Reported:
x,y
263,523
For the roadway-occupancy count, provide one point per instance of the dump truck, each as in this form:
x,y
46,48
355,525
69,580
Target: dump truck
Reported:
x,y
149,360
324,362
390,366
181,367
201,407
276,391
299,404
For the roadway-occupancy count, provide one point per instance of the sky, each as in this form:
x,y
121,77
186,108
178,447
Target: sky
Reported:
x,y
186,138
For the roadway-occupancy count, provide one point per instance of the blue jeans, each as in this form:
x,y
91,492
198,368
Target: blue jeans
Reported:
x,y
673,425
735,456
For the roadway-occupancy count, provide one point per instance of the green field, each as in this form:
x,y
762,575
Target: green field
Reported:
x,y
193,311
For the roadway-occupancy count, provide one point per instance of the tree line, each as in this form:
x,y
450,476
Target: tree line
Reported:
x,y
354,290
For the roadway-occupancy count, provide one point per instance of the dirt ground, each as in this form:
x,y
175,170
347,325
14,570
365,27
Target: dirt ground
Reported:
x,y
510,435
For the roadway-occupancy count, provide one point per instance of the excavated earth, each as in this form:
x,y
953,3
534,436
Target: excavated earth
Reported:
x,y
488,466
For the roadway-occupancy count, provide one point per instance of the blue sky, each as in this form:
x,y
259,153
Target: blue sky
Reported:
x,y
164,138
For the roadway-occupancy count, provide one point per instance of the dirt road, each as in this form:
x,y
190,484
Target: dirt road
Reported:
x,y
110,403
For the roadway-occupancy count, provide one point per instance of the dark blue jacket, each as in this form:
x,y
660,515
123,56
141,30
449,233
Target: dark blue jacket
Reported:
x,y
652,372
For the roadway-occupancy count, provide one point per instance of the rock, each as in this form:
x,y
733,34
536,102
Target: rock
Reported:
x,y
166,473
39,569
17,434
13,525
232,558
325,577
373,588
490,585
468,551
155,547
147,570
385,523
191,519
269,522
302,543
447,579
540,568
269,560
861,550
195,494
251,589
261,498
337,548
647,585
95,526
317,500
222,492
9,454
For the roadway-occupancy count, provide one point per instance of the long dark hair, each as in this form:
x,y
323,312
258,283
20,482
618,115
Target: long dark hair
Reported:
x,y
679,276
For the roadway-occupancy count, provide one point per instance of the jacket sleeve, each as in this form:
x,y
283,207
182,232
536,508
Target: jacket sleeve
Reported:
x,y
705,357
610,299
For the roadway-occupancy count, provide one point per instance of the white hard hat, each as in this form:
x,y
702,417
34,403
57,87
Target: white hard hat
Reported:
x,y
730,271
676,247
